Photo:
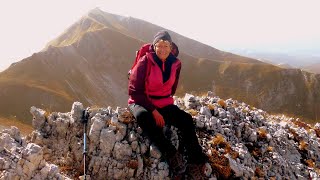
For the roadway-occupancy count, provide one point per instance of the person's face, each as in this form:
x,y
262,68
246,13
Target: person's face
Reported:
x,y
163,49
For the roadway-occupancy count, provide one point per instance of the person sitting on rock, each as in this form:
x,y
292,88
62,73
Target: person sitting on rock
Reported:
x,y
151,103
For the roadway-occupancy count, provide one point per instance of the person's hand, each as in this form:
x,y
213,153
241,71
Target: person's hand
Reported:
x,y
158,118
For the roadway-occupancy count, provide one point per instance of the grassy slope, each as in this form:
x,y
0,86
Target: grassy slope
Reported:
x,y
25,129
92,69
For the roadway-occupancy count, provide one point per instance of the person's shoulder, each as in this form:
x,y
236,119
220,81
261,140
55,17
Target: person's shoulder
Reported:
x,y
144,58
147,58
174,59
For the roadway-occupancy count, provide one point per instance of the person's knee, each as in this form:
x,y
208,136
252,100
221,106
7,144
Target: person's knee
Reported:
x,y
189,120
186,120
142,116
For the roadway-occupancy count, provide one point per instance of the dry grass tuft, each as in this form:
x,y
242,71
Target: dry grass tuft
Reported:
x,y
262,133
94,108
77,171
303,145
256,153
211,106
220,165
47,113
310,163
252,108
220,142
269,149
218,139
259,172
65,168
133,164
219,162
222,103
302,124
128,120
234,154
245,110
126,117
147,161
113,124
295,134
317,132
192,112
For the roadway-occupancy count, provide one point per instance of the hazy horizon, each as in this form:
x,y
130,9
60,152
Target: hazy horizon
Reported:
x,y
286,25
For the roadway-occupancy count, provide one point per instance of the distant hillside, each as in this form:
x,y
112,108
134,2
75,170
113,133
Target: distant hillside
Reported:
x,y
314,68
295,59
285,66
90,60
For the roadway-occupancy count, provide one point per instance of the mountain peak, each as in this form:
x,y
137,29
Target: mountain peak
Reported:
x,y
74,33
90,60
96,10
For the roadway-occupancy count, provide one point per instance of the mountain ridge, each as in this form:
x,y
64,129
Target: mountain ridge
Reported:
x,y
291,59
91,67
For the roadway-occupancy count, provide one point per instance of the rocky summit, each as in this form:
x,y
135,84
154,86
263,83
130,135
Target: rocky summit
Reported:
x,y
241,141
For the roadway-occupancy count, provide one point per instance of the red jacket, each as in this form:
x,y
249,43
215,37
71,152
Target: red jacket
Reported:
x,y
154,90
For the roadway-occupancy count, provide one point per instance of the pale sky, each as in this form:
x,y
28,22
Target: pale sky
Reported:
x,y
27,25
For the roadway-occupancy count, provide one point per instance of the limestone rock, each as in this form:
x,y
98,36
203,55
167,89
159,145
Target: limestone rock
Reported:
x,y
241,141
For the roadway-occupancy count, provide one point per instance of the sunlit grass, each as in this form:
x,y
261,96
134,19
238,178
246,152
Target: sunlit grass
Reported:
x,y
6,123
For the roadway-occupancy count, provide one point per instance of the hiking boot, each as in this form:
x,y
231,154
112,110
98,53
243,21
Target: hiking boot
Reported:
x,y
177,164
196,172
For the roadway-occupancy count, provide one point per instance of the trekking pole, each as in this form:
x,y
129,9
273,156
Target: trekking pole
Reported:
x,y
84,119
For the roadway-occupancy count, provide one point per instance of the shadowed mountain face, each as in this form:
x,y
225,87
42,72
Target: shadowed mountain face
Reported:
x,y
90,60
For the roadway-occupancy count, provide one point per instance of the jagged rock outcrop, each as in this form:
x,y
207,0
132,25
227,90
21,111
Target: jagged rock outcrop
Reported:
x,y
22,160
240,140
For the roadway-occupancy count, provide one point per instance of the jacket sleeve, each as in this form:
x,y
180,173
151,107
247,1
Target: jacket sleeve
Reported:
x,y
174,87
137,84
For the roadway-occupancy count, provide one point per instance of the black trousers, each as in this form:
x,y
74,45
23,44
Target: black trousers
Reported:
x,y
173,116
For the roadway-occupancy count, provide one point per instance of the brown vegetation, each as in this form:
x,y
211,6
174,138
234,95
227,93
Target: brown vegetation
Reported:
x,y
301,124
220,165
259,172
303,145
133,164
25,129
269,149
89,63
222,103
192,112
310,163
262,133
